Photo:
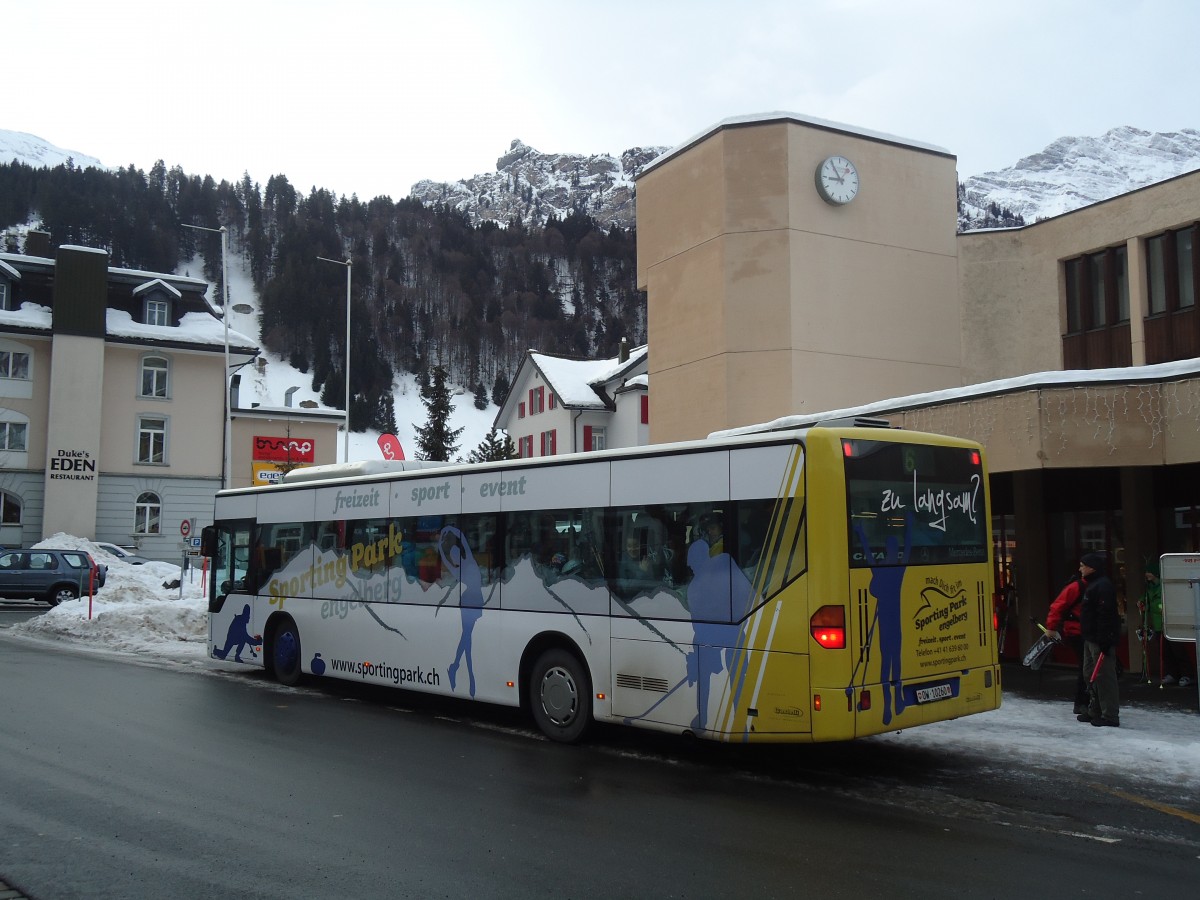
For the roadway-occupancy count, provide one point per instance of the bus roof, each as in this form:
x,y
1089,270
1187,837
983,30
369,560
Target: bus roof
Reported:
x,y
374,469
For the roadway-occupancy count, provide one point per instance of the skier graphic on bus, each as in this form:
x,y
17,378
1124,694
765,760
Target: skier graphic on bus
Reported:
x,y
457,556
887,578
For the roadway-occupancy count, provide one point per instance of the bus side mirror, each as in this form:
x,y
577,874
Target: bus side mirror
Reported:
x,y
208,541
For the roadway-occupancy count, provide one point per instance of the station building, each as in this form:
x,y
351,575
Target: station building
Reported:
x,y
799,269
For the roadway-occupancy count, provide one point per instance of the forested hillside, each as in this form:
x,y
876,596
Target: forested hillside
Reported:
x,y
427,287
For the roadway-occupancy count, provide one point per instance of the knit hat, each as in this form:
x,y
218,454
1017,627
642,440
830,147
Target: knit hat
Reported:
x,y
1095,561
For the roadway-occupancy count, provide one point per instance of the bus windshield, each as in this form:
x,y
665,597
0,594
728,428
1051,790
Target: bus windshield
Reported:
x,y
913,504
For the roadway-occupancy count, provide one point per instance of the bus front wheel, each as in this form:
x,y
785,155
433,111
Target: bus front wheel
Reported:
x,y
560,695
285,654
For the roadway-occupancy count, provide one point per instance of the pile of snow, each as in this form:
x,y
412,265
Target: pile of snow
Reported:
x,y
152,608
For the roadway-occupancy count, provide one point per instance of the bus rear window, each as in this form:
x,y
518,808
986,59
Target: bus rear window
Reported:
x,y
913,504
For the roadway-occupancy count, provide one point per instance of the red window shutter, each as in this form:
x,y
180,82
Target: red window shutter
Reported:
x,y
532,407
587,438
553,400
521,410
645,410
553,442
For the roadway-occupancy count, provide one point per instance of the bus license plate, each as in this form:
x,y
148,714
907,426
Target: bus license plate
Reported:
x,y
936,692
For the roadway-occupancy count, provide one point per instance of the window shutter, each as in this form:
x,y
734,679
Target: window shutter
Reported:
x,y
587,438
645,410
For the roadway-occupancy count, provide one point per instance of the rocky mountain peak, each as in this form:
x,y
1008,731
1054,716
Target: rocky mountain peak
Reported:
x,y
531,186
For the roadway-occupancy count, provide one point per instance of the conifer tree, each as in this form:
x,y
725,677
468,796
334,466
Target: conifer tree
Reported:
x,y
493,449
437,440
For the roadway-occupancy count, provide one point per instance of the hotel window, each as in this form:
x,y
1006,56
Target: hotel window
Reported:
x,y
1121,271
10,508
5,295
152,439
1074,271
1185,248
158,312
1097,287
1171,270
525,446
14,364
147,514
549,442
595,437
155,372
14,436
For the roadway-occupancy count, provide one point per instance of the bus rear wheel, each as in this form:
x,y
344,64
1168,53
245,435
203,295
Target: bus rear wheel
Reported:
x,y
560,693
285,654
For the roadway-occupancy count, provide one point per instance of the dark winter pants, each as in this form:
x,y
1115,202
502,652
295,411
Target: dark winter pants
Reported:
x,y
1105,701
1082,694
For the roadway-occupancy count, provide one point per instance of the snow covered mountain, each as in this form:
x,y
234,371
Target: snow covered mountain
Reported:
x,y
17,146
530,186
1078,171
1070,173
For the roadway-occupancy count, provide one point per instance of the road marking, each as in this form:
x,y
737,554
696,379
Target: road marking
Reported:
x,y
1152,804
1091,837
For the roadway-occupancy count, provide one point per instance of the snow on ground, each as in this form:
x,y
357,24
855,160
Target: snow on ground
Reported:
x,y
134,614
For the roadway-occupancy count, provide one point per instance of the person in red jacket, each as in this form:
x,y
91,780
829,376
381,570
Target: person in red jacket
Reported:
x,y
1062,622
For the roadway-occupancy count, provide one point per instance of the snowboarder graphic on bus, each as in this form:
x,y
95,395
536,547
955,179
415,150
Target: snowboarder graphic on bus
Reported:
x,y
719,593
238,637
456,554
887,577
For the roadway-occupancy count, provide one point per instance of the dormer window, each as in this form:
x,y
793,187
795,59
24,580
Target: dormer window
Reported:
x,y
8,277
158,312
156,299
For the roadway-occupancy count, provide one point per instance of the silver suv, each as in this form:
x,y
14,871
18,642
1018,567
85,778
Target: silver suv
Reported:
x,y
51,575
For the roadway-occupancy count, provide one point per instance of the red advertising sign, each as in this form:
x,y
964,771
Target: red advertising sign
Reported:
x,y
389,446
284,449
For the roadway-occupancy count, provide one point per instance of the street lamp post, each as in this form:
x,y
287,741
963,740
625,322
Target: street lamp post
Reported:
x,y
348,265
227,459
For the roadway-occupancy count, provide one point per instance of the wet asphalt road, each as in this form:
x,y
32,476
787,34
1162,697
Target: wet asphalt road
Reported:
x,y
128,779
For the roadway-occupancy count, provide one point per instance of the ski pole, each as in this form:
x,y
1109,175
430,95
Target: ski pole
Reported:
x,y
1096,671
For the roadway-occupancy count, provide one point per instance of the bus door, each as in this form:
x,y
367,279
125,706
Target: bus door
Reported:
x,y
232,631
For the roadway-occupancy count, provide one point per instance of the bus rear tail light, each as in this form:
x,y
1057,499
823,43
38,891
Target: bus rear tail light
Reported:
x,y
828,627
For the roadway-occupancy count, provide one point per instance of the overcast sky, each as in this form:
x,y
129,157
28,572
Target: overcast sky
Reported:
x,y
369,96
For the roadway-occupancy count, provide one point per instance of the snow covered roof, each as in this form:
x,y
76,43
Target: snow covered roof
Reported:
x,y
9,271
157,283
800,119
198,328
578,383
581,383
1186,368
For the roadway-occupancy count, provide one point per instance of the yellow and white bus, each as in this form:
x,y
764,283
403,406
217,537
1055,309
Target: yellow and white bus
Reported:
x,y
812,585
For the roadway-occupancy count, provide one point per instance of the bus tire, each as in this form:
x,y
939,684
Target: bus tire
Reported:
x,y
285,654
560,694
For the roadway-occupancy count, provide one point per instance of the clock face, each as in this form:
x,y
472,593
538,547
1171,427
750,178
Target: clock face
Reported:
x,y
837,180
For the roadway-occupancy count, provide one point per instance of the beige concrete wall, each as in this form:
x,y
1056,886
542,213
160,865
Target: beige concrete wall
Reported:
x,y
324,434
1010,282
766,301
73,436
1074,427
195,412
36,406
